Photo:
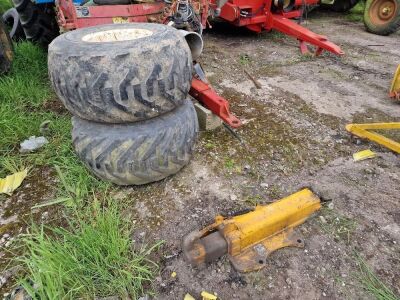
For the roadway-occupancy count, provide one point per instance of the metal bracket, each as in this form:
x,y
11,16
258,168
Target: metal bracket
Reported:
x,y
255,257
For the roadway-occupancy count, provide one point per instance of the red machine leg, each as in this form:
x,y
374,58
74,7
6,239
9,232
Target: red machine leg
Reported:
x,y
288,27
207,96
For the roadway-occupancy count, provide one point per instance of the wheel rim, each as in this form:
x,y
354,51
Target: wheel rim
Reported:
x,y
382,12
116,35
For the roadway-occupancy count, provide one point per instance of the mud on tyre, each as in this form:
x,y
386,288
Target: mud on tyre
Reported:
x,y
121,72
139,152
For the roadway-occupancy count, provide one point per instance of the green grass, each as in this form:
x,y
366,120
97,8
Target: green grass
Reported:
x,y
356,14
25,95
4,5
95,257
371,283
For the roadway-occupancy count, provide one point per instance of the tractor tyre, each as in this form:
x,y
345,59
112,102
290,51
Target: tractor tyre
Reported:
x,y
6,49
382,17
121,73
341,5
38,21
140,152
12,21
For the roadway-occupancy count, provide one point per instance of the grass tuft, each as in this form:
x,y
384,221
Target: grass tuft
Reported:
x,y
95,257
371,283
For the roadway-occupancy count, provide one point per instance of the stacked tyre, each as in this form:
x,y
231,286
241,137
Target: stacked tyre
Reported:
x,y
127,86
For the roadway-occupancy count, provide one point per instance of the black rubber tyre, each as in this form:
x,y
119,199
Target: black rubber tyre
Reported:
x,y
137,153
121,81
38,21
341,5
6,49
12,21
377,23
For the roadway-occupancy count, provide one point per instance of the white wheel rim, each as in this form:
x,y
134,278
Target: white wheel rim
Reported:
x,y
116,35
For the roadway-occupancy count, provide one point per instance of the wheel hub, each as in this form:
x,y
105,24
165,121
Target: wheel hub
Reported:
x,y
382,11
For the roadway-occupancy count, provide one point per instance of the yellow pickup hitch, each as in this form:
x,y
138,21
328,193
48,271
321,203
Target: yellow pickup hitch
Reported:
x,y
395,87
250,238
362,131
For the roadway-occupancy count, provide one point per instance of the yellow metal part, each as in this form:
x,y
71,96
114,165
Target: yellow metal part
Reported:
x,y
395,87
253,236
362,130
250,238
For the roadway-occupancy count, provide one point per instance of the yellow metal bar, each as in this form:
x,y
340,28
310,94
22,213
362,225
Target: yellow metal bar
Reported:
x,y
395,87
269,220
361,130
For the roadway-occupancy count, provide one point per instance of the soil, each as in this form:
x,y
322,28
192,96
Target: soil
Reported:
x,y
293,136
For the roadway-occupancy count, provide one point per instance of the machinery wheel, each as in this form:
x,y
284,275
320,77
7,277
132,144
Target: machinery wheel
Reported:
x,y
12,21
121,72
38,21
140,152
6,49
341,5
382,16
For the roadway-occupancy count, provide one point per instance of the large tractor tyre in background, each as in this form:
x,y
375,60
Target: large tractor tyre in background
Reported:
x,y
121,73
6,49
382,16
140,152
341,5
13,23
38,21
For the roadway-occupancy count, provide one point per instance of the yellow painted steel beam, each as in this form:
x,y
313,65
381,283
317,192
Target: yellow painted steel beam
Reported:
x,y
362,130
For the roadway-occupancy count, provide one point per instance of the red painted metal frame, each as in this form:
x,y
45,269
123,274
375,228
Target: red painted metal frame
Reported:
x,y
207,96
68,18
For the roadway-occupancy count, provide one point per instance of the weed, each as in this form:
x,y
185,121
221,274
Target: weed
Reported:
x,y
254,200
94,257
229,163
337,225
274,192
371,283
244,59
